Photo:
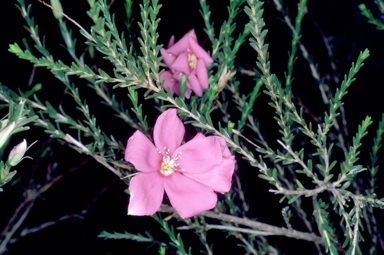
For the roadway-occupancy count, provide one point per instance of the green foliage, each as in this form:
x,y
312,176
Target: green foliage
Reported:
x,y
303,165
295,40
377,143
15,121
325,228
126,235
371,18
176,240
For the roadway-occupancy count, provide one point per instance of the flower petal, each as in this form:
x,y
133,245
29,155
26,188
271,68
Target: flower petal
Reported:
x,y
169,83
187,196
200,155
177,75
219,178
202,73
142,153
224,148
168,58
180,46
183,44
198,136
188,93
191,34
168,131
200,52
171,41
147,191
181,64
194,84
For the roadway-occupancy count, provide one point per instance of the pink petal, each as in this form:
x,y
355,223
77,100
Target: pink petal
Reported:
x,y
177,75
183,44
168,131
224,148
142,153
202,73
198,136
168,58
219,178
187,196
147,191
191,34
200,155
169,83
181,64
200,52
188,93
180,46
194,84
171,41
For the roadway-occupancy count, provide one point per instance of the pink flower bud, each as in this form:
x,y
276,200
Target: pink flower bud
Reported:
x,y
17,153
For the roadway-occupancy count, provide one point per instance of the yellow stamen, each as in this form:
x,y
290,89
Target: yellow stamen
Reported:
x,y
192,61
168,164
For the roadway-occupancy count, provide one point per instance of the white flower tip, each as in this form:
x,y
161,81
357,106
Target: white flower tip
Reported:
x,y
17,153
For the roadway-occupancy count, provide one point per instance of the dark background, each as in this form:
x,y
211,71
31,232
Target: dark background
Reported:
x,y
96,194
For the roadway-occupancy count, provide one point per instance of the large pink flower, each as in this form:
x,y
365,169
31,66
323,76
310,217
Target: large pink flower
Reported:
x,y
189,173
186,57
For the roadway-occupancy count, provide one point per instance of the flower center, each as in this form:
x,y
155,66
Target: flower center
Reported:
x,y
192,61
168,164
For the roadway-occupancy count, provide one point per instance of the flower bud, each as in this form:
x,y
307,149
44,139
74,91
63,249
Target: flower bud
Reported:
x,y
5,133
17,153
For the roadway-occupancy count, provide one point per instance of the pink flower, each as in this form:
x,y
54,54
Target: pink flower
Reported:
x,y
186,57
189,173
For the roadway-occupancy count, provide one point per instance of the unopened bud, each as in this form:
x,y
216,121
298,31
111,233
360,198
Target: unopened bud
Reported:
x,y
5,133
17,153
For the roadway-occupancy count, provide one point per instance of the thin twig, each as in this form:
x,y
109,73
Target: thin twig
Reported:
x,y
88,35
356,230
278,231
231,228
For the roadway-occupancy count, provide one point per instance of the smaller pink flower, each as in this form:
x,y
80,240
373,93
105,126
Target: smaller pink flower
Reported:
x,y
186,57
189,173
